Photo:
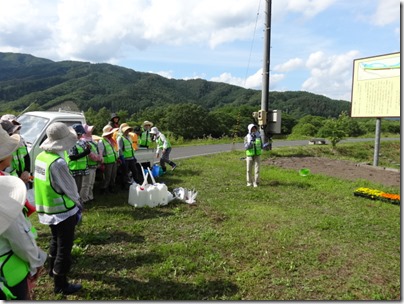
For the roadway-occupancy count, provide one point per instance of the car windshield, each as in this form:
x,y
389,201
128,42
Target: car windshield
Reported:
x,y
31,127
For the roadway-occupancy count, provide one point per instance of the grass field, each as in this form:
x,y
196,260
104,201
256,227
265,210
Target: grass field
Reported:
x,y
292,238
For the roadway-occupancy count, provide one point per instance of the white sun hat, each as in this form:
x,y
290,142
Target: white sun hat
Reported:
x,y
154,130
8,144
13,195
108,130
60,137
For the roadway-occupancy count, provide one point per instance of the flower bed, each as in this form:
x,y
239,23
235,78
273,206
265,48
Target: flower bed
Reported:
x,y
378,195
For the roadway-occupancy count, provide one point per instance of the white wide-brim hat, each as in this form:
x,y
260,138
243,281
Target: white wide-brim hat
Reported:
x,y
146,122
108,130
60,137
126,128
8,144
13,195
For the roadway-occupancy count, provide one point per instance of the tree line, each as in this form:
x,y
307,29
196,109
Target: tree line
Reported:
x,y
189,121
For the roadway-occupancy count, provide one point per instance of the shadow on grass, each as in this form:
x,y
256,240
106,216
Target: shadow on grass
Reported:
x,y
276,183
104,237
177,178
123,284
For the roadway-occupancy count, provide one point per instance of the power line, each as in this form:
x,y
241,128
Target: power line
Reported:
x,y
252,44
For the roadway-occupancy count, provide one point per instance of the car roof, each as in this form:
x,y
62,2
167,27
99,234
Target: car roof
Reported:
x,y
54,114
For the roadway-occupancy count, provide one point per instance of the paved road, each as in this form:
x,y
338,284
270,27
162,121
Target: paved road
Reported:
x,y
187,152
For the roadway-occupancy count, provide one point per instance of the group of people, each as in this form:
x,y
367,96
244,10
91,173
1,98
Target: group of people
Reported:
x,y
63,182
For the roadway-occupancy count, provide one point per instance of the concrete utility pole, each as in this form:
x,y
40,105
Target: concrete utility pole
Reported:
x,y
265,69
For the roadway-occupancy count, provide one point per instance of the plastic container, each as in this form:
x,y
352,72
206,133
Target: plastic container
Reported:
x,y
156,170
138,195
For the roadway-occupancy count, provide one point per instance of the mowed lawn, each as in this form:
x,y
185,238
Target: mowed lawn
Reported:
x,y
292,238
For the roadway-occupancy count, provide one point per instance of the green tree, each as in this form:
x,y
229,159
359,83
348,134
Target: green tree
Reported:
x,y
187,120
98,119
288,122
334,130
350,125
304,129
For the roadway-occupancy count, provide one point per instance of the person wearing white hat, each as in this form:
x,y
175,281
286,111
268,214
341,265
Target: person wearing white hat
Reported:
x,y
164,145
253,147
9,144
21,260
145,138
108,149
58,202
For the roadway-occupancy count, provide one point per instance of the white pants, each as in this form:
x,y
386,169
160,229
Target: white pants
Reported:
x,y
87,185
253,161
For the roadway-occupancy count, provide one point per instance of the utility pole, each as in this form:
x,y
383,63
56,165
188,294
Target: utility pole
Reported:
x,y
265,69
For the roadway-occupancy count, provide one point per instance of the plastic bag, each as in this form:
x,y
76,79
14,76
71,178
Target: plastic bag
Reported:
x,y
186,195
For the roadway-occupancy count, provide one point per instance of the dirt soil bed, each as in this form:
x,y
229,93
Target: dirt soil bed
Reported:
x,y
339,168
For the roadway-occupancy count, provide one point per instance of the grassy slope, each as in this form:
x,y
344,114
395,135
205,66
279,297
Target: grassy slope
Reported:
x,y
292,238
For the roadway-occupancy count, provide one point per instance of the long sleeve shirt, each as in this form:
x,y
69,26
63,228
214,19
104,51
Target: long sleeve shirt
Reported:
x,y
161,137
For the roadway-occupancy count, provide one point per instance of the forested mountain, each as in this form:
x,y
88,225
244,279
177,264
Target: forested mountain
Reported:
x,y
25,79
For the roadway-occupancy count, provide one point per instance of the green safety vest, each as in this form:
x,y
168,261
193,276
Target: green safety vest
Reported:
x,y
110,155
160,143
145,139
128,151
47,200
78,164
18,161
94,149
13,269
256,148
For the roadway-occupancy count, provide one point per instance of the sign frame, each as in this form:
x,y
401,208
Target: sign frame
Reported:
x,y
376,86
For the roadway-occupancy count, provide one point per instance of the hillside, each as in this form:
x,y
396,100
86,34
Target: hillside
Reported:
x,y
25,79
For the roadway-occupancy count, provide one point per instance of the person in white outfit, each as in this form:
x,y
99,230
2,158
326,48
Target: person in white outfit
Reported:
x,y
253,147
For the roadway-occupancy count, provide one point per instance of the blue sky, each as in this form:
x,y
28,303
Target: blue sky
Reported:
x,y
313,42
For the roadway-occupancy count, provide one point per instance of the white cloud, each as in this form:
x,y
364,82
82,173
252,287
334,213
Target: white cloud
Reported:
x,y
166,74
309,8
386,12
252,82
22,24
99,29
330,75
289,65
